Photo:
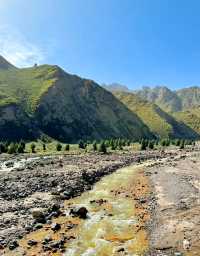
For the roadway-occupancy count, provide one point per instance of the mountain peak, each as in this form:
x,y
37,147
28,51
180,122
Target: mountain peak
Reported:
x,y
116,87
4,64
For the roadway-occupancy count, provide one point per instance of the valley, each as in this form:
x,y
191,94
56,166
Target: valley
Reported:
x,y
91,170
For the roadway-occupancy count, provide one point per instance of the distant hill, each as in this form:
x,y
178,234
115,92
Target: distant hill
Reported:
x,y
162,96
5,65
190,97
162,124
171,101
47,100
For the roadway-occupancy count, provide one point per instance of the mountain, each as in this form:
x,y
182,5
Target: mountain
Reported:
x,y
162,124
171,101
5,65
116,87
190,117
162,96
190,97
47,100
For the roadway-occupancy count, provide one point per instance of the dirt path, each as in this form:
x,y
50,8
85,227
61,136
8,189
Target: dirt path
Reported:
x,y
176,220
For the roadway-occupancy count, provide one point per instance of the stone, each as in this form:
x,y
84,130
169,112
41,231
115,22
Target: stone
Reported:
x,y
39,215
55,226
12,245
32,242
80,212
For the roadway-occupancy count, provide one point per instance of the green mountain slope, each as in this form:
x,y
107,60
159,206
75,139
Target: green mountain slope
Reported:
x,y
190,117
158,121
45,99
25,86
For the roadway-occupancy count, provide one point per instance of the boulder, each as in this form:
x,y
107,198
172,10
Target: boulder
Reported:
x,y
55,226
80,212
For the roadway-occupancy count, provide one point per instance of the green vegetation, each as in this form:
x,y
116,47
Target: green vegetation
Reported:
x,y
21,147
94,146
59,147
44,146
102,147
190,117
12,149
182,144
26,86
33,146
162,124
82,145
67,147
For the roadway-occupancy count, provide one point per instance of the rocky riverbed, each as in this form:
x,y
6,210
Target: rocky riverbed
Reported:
x,y
36,192
31,188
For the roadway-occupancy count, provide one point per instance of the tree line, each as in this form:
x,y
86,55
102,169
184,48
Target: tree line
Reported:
x,y
99,146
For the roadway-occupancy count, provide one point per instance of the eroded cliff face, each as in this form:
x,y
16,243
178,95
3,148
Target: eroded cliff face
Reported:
x,y
15,124
76,108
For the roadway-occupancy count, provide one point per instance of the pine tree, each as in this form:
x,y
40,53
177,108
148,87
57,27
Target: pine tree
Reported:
x,y
143,145
58,147
81,144
151,145
12,148
182,144
112,145
20,148
3,148
163,143
94,145
178,142
102,147
67,147
44,146
33,148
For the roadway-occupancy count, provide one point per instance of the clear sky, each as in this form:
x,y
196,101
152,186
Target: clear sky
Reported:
x,y
133,42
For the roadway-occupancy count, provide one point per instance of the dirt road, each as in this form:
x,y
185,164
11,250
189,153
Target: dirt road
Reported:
x,y
176,220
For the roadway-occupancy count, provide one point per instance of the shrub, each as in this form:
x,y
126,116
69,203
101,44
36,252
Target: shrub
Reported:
x,y
81,144
182,144
44,146
167,143
67,147
20,148
94,145
3,148
12,148
178,142
102,148
33,146
112,145
58,147
143,145
151,145
163,143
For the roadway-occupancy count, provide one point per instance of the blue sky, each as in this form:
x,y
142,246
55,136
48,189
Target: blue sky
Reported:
x,y
133,42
